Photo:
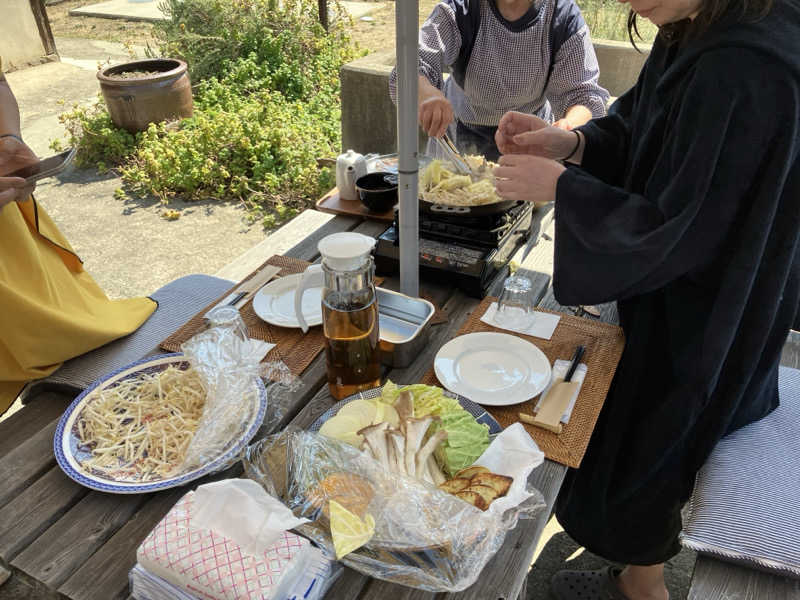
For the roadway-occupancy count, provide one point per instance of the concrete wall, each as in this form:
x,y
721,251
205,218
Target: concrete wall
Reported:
x,y
20,41
369,119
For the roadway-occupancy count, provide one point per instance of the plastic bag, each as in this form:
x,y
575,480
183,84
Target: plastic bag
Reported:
x,y
424,537
229,363
282,387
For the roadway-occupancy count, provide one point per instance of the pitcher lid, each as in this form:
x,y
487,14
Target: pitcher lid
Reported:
x,y
345,251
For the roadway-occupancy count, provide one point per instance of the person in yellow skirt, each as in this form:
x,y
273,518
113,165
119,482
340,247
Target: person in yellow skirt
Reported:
x,y
51,309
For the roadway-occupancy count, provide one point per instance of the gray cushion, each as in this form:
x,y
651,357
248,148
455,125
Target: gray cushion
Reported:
x,y
746,502
178,301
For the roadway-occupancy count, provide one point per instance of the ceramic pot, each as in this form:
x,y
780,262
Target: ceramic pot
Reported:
x,y
153,90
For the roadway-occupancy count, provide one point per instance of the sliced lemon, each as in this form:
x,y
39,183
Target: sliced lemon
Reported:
x,y
348,531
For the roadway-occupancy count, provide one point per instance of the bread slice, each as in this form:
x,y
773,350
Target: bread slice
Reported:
x,y
484,491
470,472
455,485
473,498
500,483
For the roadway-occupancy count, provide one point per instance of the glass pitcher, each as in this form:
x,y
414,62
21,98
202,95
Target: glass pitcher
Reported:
x,y
349,312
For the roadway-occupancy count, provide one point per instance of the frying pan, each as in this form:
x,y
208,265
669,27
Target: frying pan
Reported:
x,y
389,163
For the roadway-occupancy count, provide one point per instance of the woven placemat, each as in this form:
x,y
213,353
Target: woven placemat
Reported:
x,y
294,348
604,344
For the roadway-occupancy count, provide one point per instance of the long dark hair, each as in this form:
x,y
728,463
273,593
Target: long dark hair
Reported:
x,y
711,11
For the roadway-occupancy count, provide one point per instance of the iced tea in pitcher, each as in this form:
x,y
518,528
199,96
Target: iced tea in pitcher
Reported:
x,y
351,347
349,312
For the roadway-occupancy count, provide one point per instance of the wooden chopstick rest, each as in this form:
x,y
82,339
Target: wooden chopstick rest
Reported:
x,y
553,406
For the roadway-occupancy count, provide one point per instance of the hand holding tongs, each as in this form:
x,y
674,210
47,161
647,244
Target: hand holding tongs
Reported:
x,y
461,164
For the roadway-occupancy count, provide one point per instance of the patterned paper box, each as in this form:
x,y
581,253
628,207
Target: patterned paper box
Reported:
x,y
211,566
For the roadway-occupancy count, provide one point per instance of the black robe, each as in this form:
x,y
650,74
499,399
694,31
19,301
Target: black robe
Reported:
x,y
686,210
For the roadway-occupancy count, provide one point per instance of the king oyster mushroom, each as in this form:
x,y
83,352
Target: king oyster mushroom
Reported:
x,y
375,437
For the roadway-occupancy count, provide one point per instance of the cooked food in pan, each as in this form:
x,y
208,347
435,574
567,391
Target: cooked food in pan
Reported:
x,y
442,185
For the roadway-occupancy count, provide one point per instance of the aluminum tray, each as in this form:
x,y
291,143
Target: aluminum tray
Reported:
x,y
404,326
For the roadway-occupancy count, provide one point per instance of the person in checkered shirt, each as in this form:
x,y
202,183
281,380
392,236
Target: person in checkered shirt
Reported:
x,y
531,56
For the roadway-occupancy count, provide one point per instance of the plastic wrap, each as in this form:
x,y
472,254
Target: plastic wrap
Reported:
x,y
424,537
229,363
282,386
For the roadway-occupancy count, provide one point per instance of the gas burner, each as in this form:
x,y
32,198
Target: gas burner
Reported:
x,y
468,250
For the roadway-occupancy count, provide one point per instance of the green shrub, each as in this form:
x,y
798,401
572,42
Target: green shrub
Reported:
x,y
266,106
99,142
608,20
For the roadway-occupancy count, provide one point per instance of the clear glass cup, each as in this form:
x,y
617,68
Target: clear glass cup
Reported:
x,y
228,317
515,305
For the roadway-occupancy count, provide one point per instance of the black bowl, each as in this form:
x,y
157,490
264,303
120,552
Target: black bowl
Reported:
x,y
378,190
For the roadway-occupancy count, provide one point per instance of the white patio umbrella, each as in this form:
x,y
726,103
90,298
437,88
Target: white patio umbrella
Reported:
x,y
406,26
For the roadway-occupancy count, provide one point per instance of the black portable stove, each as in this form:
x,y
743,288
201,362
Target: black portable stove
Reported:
x,y
469,251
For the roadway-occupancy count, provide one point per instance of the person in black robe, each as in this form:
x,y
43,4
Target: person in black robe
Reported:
x,y
683,205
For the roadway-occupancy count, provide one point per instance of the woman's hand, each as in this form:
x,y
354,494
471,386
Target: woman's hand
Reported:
x,y
526,177
435,114
14,155
14,189
435,111
518,133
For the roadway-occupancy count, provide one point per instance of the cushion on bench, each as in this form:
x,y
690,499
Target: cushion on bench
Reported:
x,y
746,502
178,301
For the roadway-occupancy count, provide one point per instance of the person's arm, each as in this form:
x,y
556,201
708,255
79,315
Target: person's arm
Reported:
x,y
729,136
9,111
573,89
439,45
13,151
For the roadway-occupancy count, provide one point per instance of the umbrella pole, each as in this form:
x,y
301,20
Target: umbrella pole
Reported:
x,y
407,25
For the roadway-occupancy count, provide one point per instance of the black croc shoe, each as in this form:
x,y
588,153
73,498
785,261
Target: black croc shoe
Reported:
x,y
587,585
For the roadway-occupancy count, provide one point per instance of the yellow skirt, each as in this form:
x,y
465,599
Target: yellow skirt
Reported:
x,y
51,310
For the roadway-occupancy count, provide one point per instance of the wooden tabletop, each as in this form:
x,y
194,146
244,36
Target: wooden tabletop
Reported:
x,y
66,541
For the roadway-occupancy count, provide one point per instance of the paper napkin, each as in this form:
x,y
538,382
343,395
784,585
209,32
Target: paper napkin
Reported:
x,y
560,368
543,326
512,453
241,510
208,564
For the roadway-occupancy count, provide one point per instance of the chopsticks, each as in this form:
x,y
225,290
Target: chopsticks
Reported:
x,y
247,289
576,359
255,283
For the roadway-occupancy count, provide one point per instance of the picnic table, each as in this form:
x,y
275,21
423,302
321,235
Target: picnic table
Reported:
x,y
62,540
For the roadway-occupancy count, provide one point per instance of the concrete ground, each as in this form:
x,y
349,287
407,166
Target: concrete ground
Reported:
x,y
131,250
126,245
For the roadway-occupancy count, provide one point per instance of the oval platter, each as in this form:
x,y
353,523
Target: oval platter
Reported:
x,y
69,454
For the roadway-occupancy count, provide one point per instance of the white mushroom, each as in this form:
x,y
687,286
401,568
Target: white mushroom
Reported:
x,y
397,443
404,405
435,471
415,432
374,436
426,452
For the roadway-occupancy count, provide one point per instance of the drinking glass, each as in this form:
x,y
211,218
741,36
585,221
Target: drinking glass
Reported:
x,y
515,305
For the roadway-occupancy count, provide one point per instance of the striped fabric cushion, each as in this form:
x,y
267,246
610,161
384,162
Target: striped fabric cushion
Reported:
x,y
178,301
746,502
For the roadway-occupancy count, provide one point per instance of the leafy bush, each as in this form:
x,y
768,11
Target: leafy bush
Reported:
x,y
266,105
608,20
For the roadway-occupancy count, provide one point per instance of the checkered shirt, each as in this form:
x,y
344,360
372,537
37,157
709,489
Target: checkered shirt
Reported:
x,y
508,68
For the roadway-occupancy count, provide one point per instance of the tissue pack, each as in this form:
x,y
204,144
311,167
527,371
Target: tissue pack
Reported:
x,y
211,566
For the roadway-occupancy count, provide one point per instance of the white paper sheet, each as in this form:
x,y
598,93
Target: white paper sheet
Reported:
x,y
241,510
512,453
543,326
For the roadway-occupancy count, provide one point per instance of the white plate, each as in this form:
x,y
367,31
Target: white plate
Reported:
x,y
490,368
274,303
69,454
